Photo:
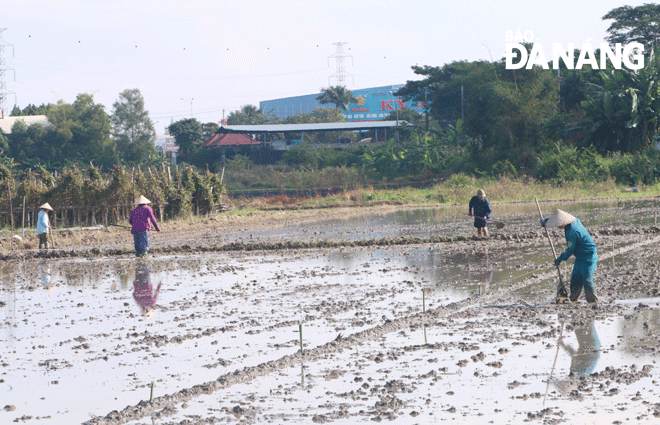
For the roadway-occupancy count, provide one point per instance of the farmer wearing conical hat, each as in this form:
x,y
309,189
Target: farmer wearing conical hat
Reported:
x,y
580,244
43,225
141,219
479,208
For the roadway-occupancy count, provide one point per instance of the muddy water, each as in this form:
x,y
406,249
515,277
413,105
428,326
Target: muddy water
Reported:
x,y
106,329
453,220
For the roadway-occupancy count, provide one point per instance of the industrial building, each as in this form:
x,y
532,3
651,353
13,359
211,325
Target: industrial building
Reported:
x,y
373,104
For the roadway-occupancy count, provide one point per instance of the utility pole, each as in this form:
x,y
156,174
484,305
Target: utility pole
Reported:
x,y
339,56
3,83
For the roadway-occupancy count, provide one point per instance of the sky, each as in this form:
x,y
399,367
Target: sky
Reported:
x,y
207,58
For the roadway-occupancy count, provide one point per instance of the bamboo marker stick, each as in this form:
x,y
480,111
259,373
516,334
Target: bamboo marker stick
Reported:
x,y
301,341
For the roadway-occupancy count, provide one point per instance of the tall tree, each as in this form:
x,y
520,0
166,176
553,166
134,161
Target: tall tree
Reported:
x,y
91,132
250,115
4,147
635,24
209,129
504,110
337,95
133,129
188,135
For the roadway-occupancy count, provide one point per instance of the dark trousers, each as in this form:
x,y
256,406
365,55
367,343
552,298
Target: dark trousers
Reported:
x,y
43,240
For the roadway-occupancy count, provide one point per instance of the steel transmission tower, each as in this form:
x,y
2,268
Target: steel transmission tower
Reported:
x,y
3,84
339,56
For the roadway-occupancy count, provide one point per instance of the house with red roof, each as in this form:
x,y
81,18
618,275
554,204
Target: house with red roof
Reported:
x,y
220,140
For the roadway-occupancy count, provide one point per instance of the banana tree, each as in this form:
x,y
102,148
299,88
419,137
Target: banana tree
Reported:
x,y
622,112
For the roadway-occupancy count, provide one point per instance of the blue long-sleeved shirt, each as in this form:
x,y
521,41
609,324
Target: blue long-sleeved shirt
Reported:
x,y
579,243
481,208
42,222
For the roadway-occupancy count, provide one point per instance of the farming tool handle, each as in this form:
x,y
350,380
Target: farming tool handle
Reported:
x,y
119,225
554,253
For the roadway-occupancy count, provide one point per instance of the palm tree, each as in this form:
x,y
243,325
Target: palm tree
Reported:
x,y
338,95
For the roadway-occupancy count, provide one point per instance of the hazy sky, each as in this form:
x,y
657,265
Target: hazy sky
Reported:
x,y
219,55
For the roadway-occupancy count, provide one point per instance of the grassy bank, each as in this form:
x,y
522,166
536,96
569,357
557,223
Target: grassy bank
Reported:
x,y
456,190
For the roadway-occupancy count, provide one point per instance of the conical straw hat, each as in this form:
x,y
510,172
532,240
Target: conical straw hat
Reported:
x,y
142,200
46,206
560,218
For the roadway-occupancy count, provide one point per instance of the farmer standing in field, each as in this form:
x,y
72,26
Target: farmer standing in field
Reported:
x,y
43,225
141,218
481,208
580,244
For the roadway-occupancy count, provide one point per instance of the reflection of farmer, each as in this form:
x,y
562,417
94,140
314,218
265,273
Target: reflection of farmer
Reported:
x,y
481,208
43,225
580,244
44,275
584,359
143,291
485,274
141,218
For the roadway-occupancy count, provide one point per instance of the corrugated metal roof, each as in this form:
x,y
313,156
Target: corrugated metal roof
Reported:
x,y
7,122
330,126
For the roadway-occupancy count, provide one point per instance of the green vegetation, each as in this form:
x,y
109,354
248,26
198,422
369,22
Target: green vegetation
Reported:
x,y
87,197
554,133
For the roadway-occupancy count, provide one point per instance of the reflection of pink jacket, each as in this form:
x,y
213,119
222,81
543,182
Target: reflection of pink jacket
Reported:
x,y
141,219
143,291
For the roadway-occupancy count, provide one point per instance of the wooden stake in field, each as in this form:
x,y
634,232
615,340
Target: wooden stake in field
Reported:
x,y
561,289
11,216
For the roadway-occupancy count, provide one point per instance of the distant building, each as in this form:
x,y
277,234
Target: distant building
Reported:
x,y
166,144
229,139
6,123
373,104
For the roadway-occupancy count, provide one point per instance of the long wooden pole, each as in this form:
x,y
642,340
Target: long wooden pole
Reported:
x,y
11,215
23,217
554,253
11,210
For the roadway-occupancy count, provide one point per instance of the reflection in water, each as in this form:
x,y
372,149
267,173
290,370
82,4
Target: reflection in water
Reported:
x,y
143,291
585,358
44,275
484,274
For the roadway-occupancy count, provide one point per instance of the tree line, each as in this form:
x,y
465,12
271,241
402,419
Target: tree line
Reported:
x,y
481,118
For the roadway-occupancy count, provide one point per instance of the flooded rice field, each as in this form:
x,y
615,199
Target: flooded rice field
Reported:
x,y
459,332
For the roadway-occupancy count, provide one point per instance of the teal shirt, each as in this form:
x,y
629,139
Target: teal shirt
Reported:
x,y
579,243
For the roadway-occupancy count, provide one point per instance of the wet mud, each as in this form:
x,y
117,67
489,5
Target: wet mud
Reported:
x,y
404,323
